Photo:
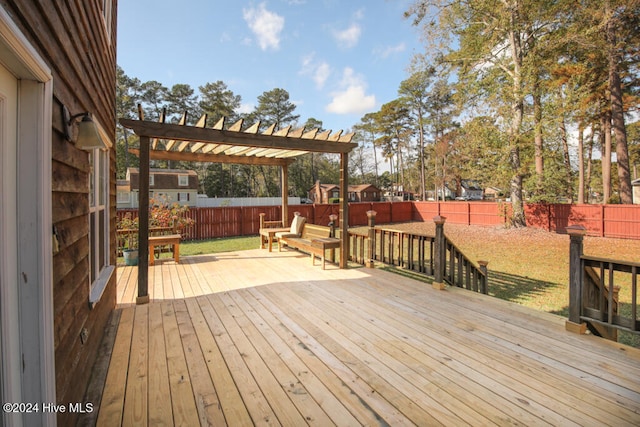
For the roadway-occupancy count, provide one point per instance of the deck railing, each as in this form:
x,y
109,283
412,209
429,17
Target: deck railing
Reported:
x,y
595,285
434,256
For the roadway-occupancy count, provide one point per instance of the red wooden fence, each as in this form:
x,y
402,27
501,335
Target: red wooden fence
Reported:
x,y
619,221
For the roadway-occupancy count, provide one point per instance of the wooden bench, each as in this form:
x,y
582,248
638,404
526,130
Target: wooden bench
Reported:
x,y
167,239
314,239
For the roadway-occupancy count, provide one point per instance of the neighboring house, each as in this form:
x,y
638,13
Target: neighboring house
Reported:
x,y
493,193
323,193
635,184
363,193
172,184
58,201
470,190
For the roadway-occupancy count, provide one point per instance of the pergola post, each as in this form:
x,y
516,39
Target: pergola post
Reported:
x,y
344,209
143,218
285,195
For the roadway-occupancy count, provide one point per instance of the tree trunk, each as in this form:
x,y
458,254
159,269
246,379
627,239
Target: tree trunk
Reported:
x,y
566,158
423,189
580,162
517,109
589,167
537,138
617,118
606,155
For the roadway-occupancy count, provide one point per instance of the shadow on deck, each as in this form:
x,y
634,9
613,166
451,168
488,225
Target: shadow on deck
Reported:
x,y
264,338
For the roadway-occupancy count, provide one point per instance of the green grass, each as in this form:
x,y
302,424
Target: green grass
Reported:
x,y
212,246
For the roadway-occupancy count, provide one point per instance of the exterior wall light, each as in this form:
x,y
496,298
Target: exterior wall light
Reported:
x,y
90,133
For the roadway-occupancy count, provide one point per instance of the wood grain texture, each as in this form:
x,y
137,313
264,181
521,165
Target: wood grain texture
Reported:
x,y
268,339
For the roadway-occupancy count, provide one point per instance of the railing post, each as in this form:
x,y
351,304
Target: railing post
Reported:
x,y
332,225
484,287
439,261
371,221
573,324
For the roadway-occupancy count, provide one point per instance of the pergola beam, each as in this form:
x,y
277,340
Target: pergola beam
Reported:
x,y
334,144
212,158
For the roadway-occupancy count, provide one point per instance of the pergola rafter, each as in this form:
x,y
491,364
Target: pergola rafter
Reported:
x,y
168,141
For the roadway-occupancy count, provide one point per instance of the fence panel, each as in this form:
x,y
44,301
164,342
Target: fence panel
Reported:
x,y
455,212
485,213
358,213
622,221
401,212
425,211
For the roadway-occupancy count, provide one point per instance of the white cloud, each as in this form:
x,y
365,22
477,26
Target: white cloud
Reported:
x,y
318,70
385,52
246,108
266,26
348,38
352,97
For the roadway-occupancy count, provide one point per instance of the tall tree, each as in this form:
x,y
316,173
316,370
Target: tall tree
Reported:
x,y
274,107
368,131
491,55
393,123
415,92
217,100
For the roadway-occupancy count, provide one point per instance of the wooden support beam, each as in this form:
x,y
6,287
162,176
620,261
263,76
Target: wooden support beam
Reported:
x,y
285,195
143,234
212,158
344,209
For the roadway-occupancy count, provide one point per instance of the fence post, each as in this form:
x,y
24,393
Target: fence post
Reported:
x,y
573,324
371,221
439,262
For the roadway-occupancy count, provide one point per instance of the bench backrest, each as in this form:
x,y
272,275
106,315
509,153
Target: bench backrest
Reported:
x,y
312,231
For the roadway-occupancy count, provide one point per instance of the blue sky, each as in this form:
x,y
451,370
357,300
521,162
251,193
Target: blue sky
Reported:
x,y
337,59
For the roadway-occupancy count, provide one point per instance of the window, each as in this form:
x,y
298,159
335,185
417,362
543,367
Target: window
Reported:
x,y
99,268
152,179
183,197
124,197
183,180
336,194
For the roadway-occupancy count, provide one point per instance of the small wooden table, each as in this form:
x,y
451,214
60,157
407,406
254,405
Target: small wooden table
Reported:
x,y
169,239
325,243
269,233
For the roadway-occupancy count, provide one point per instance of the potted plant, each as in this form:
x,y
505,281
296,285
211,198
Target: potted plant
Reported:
x,y
128,238
163,216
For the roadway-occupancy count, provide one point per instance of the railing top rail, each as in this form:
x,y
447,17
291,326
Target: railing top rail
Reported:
x,y
395,230
615,262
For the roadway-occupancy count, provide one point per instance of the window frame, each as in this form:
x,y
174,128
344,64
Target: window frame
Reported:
x,y
100,270
180,178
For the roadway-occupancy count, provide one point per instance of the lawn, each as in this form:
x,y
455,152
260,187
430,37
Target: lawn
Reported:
x,y
531,266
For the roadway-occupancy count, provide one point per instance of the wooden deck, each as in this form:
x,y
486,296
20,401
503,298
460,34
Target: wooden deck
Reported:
x,y
265,338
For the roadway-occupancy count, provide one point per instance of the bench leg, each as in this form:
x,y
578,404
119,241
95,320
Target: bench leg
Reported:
x,y
151,252
323,259
176,252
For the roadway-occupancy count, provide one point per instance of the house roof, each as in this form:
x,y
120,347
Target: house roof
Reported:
x,y
361,187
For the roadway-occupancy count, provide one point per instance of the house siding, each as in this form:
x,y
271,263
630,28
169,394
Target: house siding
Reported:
x,y
72,39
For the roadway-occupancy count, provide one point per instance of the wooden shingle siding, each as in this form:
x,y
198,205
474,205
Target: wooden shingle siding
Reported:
x,y
72,39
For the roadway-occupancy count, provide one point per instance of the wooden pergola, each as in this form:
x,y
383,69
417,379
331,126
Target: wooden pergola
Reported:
x,y
166,141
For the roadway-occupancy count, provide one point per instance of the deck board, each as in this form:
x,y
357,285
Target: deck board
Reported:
x,y
264,338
